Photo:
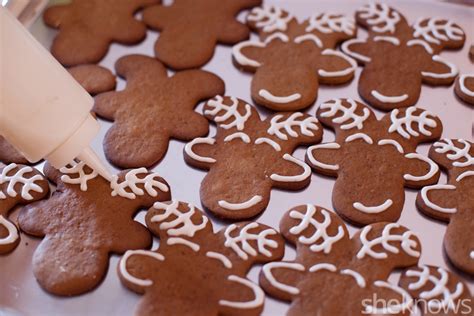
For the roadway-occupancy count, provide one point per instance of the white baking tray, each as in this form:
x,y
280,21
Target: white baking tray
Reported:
x,y
23,296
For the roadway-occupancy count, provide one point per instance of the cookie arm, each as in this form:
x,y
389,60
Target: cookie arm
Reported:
x,y
280,279
54,15
198,84
419,171
200,152
241,295
325,158
438,201
290,173
358,49
439,71
232,31
248,55
335,67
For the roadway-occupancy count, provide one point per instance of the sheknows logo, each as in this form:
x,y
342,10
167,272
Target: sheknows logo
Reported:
x,y
380,306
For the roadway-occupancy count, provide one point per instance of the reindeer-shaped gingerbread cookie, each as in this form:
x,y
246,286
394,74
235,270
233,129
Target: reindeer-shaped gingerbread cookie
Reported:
x,y
374,160
398,58
453,202
19,185
85,220
334,274
248,156
292,58
196,271
152,109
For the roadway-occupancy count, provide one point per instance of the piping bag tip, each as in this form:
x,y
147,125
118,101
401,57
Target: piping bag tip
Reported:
x,y
90,158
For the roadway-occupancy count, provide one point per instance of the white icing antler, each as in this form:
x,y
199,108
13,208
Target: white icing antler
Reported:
x,y
408,245
431,32
182,224
382,14
348,114
82,176
440,287
320,230
230,111
269,18
403,125
131,181
446,145
19,177
331,23
278,128
244,237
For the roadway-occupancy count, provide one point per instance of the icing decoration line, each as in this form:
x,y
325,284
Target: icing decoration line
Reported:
x,y
218,256
19,177
345,48
244,237
373,209
298,178
316,162
12,232
278,99
123,266
427,201
388,99
241,206
267,271
257,291
339,73
188,149
462,85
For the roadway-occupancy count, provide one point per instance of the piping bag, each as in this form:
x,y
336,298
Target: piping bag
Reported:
x,y
44,112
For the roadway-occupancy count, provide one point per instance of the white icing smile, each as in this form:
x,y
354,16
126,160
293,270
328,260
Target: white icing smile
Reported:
x,y
373,209
240,206
278,99
388,99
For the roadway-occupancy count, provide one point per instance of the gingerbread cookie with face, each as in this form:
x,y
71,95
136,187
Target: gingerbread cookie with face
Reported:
x,y
85,220
19,185
196,271
248,156
292,58
464,88
373,159
453,202
398,57
191,29
88,27
152,109
330,265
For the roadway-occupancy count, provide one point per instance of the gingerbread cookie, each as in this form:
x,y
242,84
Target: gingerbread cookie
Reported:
x,y
437,291
94,79
152,109
19,185
329,265
453,202
85,220
8,153
196,271
190,30
248,156
464,88
88,27
374,160
398,58
292,58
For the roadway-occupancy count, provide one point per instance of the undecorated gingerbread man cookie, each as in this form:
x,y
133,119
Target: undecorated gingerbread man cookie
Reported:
x,y
88,27
330,265
152,109
196,271
398,58
292,58
85,220
248,156
191,29
453,202
19,185
373,159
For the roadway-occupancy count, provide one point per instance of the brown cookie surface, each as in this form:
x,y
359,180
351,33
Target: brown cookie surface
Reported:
x,y
373,159
88,27
85,220
19,185
292,58
196,271
8,153
152,109
464,88
398,57
94,79
330,265
191,29
453,202
248,156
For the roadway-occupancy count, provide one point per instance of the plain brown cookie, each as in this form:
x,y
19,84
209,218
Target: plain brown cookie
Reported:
x,y
86,220
152,109
373,159
191,29
88,27
334,274
464,88
196,271
292,58
398,58
437,291
248,156
9,154
453,202
94,79
19,185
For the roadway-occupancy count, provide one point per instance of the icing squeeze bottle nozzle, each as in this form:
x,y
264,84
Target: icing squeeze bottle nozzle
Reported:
x,y
44,112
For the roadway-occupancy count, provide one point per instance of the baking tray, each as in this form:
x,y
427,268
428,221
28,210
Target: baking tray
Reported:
x,y
19,291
